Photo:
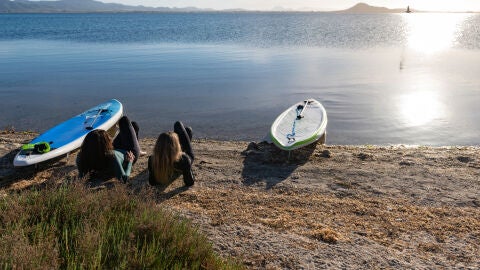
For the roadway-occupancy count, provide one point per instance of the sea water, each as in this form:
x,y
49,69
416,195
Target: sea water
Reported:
x,y
384,79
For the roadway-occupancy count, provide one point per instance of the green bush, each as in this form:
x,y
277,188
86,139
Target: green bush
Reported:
x,y
73,227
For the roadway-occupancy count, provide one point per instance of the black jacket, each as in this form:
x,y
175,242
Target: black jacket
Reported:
x,y
182,166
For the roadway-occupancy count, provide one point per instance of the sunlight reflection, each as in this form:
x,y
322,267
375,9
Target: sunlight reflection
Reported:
x,y
430,33
420,108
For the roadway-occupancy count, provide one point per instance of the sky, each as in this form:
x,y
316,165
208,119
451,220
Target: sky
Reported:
x,y
317,5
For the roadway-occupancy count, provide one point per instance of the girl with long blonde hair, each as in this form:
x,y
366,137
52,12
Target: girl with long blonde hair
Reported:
x,y
172,156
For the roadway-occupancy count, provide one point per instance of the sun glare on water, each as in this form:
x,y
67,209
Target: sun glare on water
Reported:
x,y
433,32
427,34
420,108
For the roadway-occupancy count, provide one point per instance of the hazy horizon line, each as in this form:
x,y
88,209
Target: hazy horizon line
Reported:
x,y
367,8
303,9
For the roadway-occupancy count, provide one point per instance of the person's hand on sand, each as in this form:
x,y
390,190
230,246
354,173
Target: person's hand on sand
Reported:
x,y
129,156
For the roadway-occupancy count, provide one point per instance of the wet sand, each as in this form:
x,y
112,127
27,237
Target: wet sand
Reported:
x,y
332,207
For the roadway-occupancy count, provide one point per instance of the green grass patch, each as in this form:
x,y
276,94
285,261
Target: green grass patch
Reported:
x,y
76,228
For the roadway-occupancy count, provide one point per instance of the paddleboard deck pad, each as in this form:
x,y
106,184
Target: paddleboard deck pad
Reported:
x,y
300,125
69,135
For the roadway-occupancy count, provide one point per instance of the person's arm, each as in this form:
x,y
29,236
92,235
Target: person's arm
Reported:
x,y
122,173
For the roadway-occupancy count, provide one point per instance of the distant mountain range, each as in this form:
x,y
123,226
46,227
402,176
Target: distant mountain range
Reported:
x,y
80,6
365,8
86,6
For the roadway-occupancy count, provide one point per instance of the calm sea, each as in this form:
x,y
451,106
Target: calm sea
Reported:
x,y
384,79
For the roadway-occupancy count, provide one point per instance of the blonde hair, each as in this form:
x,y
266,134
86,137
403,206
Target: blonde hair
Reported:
x,y
167,150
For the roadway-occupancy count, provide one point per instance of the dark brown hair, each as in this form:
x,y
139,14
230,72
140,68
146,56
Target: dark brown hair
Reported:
x,y
95,152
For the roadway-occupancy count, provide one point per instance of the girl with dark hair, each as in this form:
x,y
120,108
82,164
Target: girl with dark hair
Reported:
x,y
172,156
99,156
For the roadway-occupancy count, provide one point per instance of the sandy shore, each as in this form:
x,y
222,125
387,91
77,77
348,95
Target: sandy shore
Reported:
x,y
349,207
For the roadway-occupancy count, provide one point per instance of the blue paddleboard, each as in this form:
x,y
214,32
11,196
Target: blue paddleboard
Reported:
x,y
69,135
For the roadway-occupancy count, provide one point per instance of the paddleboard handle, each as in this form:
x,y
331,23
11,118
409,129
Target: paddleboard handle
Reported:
x,y
302,109
96,117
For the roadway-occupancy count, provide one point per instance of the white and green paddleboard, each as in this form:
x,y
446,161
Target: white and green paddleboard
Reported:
x,y
300,125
